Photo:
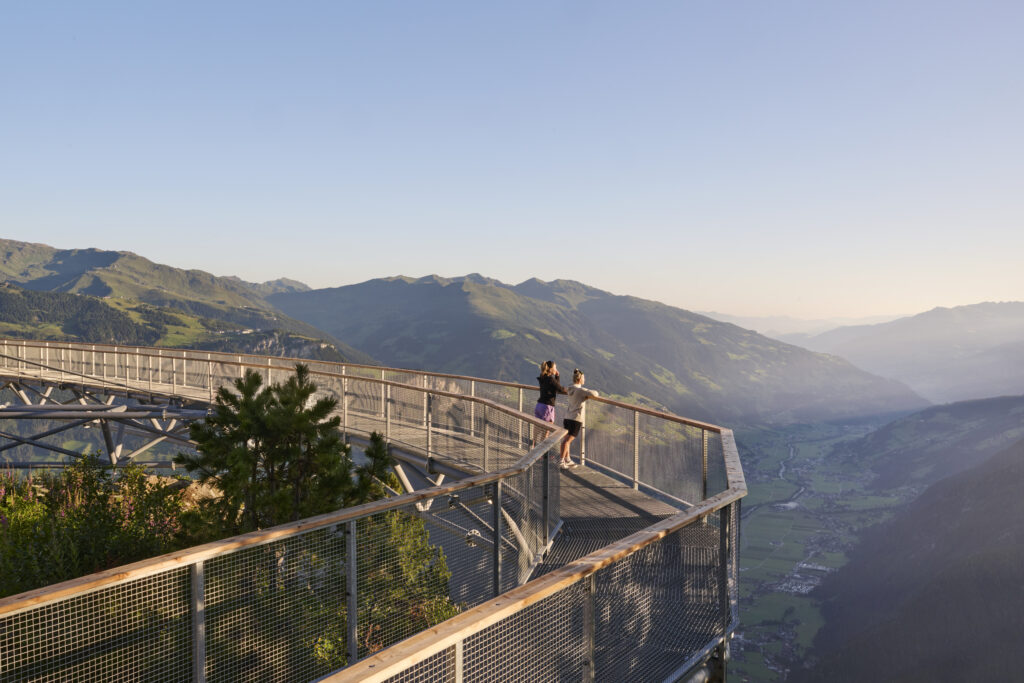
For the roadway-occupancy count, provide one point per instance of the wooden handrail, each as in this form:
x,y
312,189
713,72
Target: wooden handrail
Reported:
x,y
512,385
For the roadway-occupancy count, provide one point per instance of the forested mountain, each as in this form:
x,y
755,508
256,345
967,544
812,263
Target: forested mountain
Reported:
x,y
946,354
119,297
934,594
628,346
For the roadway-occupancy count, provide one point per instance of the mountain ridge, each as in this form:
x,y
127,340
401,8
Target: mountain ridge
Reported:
x,y
480,326
946,354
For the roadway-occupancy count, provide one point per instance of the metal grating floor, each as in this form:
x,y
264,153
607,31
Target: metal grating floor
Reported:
x,y
597,511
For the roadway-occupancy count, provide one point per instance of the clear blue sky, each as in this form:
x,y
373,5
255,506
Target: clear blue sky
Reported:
x,y
750,157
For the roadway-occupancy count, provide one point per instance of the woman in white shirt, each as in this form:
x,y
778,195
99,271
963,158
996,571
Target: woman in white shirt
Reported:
x,y
572,422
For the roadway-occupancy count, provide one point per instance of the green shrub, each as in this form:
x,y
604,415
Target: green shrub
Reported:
x,y
84,519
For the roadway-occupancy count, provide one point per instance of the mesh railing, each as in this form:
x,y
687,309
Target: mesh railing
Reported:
x,y
278,610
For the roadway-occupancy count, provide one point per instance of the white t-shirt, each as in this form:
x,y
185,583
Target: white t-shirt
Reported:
x,y
577,395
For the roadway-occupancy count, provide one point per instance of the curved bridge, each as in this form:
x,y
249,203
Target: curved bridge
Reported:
x,y
623,569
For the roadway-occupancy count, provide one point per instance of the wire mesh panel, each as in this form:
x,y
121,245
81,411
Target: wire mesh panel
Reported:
x,y
452,434
435,669
658,607
278,611
365,407
403,583
671,457
610,436
501,394
544,642
407,416
135,631
718,479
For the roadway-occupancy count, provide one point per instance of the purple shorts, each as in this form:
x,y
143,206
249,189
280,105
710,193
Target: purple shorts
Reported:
x,y
544,412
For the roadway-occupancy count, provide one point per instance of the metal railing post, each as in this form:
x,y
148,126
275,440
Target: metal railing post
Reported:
x,y
636,450
425,395
344,404
704,466
351,593
472,408
520,422
496,525
387,415
724,598
430,424
583,435
487,433
458,673
588,628
546,503
198,609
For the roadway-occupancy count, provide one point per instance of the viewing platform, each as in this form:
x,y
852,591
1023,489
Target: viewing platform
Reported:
x,y
624,568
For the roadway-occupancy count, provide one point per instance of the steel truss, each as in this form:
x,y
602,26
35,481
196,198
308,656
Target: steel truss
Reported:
x,y
156,419
417,473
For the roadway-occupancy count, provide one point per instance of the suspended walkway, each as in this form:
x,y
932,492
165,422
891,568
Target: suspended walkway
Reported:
x,y
622,569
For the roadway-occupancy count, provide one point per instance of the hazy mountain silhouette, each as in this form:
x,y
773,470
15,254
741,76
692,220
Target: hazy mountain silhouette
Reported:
x,y
922,448
935,593
628,346
946,354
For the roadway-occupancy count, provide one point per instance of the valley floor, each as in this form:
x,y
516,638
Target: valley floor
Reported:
x,y
804,511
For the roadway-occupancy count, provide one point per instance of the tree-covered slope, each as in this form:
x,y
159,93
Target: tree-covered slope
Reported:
x,y
61,316
628,346
119,297
934,594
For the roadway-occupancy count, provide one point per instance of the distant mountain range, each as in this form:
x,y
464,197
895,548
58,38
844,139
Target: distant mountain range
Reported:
x,y
946,354
935,594
787,328
630,347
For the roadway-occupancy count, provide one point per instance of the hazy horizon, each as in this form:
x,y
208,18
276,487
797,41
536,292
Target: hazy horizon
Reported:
x,y
754,160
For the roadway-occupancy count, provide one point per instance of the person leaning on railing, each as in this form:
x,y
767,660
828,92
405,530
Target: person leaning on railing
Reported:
x,y
550,387
572,422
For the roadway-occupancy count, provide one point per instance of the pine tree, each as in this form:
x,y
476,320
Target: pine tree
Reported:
x,y
275,454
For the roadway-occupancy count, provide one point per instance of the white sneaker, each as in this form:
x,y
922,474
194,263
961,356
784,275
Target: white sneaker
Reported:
x,y
565,465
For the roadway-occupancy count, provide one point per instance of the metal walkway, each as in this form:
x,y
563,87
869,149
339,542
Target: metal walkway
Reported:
x,y
597,511
629,588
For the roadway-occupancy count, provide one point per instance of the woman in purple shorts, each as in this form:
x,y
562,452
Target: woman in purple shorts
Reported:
x,y
549,389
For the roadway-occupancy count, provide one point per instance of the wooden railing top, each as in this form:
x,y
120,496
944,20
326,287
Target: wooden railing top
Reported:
x,y
163,352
